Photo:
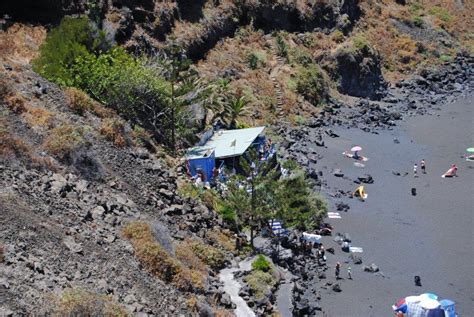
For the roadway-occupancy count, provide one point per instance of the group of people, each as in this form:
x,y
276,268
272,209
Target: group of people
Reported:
x,y
422,166
452,172
265,150
337,271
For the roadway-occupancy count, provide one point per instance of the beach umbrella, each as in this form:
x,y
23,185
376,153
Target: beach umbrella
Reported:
x,y
470,150
356,148
449,307
412,299
311,237
400,306
428,296
429,303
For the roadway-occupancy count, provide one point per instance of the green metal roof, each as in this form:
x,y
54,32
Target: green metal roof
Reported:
x,y
223,143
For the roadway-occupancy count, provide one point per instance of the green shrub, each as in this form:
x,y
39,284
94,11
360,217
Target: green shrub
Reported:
x,y
261,264
446,58
189,190
360,43
210,255
260,283
132,86
73,38
415,8
228,214
282,48
417,21
302,57
440,13
311,84
252,60
337,36
300,120
256,59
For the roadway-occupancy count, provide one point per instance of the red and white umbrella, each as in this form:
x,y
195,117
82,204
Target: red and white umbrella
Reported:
x,y
356,148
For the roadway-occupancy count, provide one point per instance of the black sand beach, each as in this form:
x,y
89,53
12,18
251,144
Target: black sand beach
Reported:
x,y
429,234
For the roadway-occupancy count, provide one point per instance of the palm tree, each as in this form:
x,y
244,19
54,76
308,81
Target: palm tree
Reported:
x,y
215,99
235,107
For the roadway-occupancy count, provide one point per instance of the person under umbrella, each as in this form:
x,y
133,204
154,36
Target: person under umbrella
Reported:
x,y
470,156
356,150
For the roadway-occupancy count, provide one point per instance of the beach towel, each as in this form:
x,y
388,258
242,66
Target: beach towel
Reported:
x,y
359,157
414,309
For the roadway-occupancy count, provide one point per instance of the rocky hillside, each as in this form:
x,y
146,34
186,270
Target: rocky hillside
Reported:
x,y
77,189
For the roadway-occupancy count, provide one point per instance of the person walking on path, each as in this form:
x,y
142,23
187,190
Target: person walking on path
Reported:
x,y
349,273
415,167
338,270
423,166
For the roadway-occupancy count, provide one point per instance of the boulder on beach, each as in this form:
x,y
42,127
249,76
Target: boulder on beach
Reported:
x,y
372,268
338,173
337,288
356,259
366,178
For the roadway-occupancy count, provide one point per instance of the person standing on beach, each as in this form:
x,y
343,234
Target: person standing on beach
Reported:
x,y
415,167
338,270
423,166
349,272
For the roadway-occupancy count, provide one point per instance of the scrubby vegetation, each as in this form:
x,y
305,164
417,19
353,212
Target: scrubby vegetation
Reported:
x,y
114,130
159,262
261,264
78,101
38,117
260,283
72,39
10,145
311,84
63,140
81,302
212,256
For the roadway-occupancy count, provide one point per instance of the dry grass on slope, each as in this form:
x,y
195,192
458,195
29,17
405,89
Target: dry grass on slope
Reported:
x,y
81,302
159,262
20,43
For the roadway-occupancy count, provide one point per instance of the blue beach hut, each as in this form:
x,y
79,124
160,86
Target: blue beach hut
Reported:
x,y
220,145
201,160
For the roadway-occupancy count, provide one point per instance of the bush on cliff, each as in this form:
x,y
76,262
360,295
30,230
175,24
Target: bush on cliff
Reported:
x,y
261,264
260,283
310,83
73,38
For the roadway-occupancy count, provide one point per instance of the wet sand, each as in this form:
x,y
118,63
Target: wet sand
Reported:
x,y
429,235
